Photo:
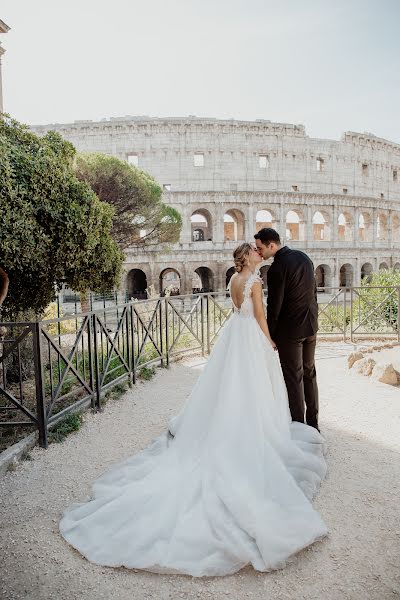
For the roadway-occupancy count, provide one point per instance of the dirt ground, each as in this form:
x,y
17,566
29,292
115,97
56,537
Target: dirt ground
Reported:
x,y
359,500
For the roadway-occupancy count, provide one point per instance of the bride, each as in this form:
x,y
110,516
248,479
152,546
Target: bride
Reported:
x,y
230,483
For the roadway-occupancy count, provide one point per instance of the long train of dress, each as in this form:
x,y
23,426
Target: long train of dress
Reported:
x,y
232,487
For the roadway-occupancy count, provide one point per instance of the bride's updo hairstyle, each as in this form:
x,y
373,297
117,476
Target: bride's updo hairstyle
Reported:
x,y
240,255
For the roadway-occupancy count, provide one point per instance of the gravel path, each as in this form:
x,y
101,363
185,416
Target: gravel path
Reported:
x,y
359,500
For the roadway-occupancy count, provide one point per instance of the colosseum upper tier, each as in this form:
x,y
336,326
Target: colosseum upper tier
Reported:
x,y
339,201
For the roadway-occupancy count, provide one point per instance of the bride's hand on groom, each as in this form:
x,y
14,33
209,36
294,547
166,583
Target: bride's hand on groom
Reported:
x,y
273,344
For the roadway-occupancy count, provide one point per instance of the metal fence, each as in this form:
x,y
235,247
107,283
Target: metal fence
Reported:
x,y
50,368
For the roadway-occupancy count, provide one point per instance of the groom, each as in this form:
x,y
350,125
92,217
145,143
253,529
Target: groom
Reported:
x,y
292,314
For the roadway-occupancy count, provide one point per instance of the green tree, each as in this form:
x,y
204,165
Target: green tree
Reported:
x,y
54,229
379,300
140,218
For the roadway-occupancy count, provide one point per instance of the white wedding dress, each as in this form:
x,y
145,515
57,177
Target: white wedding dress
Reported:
x,y
233,487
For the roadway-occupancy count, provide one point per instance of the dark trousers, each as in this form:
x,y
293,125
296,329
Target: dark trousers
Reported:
x,y
298,365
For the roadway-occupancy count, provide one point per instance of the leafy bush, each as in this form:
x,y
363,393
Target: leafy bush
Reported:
x,y
64,427
379,300
66,326
54,229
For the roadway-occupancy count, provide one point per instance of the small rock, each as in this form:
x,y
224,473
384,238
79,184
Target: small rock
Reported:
x,y
353,357
364,366
385,373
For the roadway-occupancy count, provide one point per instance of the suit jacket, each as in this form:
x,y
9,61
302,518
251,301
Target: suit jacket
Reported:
x,y
292,309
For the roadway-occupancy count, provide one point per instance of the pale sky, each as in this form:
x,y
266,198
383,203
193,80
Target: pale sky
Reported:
x,y
333,65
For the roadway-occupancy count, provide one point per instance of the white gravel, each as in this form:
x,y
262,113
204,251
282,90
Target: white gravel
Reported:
x,y
360,500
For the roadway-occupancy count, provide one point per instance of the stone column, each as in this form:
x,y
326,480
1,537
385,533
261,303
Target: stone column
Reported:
x,y
356,216
309,237
220,276
152,280
374,227
218,224
389,229
186,233
334,224
282,223
250,227
186,279
357,273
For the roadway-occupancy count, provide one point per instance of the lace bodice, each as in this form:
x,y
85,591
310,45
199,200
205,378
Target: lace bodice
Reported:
x,y
246,308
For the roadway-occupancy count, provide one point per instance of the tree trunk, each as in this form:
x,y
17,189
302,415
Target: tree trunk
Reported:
x,y
4,281
85,304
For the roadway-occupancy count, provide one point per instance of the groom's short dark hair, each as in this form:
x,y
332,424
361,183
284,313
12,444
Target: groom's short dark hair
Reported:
x,y
267,235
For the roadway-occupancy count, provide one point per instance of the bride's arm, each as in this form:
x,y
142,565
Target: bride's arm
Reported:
x,y
259,310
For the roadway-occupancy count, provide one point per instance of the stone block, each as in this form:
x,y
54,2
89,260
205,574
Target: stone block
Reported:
x,y
354,357
385,373
364,366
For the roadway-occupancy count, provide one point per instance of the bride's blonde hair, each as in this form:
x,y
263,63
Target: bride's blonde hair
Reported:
x,y
240,254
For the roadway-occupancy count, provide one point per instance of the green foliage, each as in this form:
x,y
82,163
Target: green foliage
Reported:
x,y
54,229
135,197
379,307
332,318
64,427
146,373
115,393
66,325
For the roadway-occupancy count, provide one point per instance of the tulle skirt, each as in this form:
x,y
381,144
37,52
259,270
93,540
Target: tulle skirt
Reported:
x,y
231,486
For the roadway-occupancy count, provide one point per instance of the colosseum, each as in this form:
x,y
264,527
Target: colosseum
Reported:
x,y
339,201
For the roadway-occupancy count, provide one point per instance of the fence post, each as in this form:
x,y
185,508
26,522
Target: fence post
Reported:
x,y
96,363
166,330
39,384
90,359
132,334
398,313
161,320
208,324
351,314
202,324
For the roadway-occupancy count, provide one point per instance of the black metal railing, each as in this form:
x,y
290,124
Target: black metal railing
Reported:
x,y
52,367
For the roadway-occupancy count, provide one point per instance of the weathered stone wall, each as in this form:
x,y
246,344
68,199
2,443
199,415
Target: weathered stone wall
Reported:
x,y
212,167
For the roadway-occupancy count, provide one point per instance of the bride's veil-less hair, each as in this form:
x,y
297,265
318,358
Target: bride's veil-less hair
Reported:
x,y
240,255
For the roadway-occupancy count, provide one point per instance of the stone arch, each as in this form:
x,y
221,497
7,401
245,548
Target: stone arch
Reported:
x,y
170,279
321,226
137,284
201,220
365,226
233,225
346,275
396,266
263,273
264,218
294,225
229,273
383,266
381,226
344,226
203,280
323,276
366,270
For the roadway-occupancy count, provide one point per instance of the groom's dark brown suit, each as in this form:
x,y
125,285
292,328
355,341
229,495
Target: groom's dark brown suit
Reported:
x,y
292,313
